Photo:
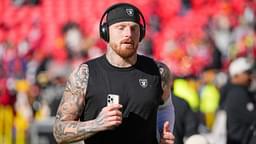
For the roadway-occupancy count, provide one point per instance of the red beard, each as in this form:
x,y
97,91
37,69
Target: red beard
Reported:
x,y
124,51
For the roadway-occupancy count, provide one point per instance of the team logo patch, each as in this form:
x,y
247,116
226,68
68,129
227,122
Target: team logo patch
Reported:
x,y
250,106
143,83
130,12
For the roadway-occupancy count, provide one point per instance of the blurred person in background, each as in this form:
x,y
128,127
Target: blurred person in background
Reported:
x,y
73,38
79,46
240,104
186,121
209,96
186,88
213,120
141,84
56,75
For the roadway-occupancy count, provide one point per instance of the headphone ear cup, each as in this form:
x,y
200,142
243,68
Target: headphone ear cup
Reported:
x,y
104,32
142,32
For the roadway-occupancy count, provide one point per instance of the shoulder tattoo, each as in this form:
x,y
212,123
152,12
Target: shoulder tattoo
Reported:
x,y
165,74
78,80
73,98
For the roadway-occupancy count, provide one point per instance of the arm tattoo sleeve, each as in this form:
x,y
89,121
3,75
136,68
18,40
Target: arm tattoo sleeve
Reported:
x,y
166,111
67,127
166,79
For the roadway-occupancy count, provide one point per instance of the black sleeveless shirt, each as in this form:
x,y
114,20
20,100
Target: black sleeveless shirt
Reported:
x,y
139,89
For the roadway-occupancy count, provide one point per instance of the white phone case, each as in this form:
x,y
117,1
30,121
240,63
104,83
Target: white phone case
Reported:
x,y
112,99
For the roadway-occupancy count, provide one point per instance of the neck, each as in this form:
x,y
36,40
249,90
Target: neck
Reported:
x,y
118,61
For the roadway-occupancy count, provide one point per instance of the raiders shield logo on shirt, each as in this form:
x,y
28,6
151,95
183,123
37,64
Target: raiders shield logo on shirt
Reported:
x,y
143,83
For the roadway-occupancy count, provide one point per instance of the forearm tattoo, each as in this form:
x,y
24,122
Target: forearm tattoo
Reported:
x,y
67,127
99,120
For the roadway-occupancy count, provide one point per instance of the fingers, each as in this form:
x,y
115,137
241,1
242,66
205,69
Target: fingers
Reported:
x,y
167,136
113,121
166,127
114,118
167,142
112,107
109,117
114,113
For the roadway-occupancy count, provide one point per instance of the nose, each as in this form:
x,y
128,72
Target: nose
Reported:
x,y
128,32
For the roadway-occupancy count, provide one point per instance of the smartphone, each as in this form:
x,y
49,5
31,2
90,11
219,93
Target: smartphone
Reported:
x,y
112,99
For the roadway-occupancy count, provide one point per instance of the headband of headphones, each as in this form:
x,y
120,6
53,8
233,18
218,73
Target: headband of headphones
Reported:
x,y
121,12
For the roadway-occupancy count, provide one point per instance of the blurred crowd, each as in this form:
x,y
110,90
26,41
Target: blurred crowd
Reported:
x,y
41,41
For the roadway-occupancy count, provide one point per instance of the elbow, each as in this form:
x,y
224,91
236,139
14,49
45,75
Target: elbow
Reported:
x,y
58,139
57,135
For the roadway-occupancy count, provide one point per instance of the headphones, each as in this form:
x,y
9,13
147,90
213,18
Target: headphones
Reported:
x,y
103,28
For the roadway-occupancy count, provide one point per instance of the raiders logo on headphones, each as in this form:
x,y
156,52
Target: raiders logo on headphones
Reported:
x,y
121,12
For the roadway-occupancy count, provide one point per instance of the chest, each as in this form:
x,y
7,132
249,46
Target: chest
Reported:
x,y
138,91
132,85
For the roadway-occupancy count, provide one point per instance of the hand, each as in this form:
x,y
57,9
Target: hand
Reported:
x,y
109,117
167,137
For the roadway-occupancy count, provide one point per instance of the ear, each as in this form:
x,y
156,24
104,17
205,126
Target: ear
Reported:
x,y
104,34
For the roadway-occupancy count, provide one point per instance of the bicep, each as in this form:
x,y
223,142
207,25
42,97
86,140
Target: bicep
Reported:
x,y
166,80
73,99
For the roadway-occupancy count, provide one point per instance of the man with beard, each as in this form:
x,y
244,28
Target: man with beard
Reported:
x,y
137,83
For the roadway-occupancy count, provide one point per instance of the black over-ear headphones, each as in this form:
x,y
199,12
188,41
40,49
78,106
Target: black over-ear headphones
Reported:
x,y
104,34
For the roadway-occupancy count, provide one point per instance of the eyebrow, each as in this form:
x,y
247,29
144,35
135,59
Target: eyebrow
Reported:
x,y
123,25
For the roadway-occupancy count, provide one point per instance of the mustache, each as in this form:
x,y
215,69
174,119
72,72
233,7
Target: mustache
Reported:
x,y
127,41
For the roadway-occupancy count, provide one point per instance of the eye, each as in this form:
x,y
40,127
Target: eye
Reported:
x,y
120,27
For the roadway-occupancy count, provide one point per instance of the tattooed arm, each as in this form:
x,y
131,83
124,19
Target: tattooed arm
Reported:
x,y
67,127
166,80
165,114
